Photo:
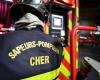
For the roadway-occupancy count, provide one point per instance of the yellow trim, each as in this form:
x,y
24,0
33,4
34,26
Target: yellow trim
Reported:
x,y
76,63
70,25
66,55
45,76
77,50
57,79
70,20
64,71
47,29
77,11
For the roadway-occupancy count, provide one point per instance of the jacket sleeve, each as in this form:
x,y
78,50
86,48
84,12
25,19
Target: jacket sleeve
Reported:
x,y
59,46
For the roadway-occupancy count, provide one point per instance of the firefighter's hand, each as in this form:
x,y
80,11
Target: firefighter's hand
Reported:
x,y
63,41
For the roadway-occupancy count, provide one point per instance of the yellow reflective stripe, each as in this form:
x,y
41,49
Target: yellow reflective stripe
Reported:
x,y
76,63
45,76
66,55
70,20
76,57
47,29
57,79
64,70
77,50
77,43
77,11
70,25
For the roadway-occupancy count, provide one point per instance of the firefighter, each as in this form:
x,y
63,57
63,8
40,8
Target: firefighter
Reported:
x,y
28,53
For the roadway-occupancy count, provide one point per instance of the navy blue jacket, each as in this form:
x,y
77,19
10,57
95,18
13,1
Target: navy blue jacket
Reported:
x,y
28,53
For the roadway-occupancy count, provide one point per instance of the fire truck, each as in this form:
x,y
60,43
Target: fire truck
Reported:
x,y
62,18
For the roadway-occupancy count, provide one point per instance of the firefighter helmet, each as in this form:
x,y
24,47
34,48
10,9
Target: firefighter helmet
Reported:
x,y
18,10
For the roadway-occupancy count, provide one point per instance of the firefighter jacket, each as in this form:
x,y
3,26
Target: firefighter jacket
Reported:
x,y
24,54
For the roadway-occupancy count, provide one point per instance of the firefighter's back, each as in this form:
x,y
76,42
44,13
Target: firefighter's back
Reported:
x,y
27,53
